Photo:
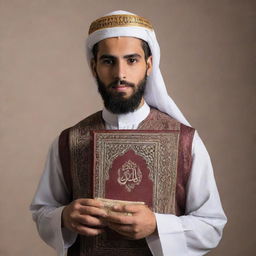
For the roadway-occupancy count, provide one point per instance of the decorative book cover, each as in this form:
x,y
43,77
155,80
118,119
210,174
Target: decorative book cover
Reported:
x,y
136,165
133,165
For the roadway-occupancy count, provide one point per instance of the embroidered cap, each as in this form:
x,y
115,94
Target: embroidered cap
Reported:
x,y
120,20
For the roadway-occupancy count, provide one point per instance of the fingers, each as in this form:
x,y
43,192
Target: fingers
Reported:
x,y
89,207
86,231
129,208
90,202
121,228
85,224
90,221
132,210
139,225
88,217
90,210
84,216
129,231
120,219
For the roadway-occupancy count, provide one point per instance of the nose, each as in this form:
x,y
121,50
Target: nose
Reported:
x,y
120,70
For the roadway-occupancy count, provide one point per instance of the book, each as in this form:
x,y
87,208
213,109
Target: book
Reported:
x,y
136,165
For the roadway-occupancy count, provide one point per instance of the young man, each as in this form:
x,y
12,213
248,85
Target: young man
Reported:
x,y
124,56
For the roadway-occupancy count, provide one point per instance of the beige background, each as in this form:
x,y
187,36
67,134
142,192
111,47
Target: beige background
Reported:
x,y
208,62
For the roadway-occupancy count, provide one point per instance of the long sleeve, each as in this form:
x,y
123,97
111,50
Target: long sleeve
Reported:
x,y
200,229
48,203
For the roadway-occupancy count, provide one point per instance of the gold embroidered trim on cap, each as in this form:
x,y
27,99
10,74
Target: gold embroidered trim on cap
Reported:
x,y
122,20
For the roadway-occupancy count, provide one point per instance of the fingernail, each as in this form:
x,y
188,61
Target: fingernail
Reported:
x,y
115,207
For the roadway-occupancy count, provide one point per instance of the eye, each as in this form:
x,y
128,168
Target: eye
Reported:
x,y
108,61
132,60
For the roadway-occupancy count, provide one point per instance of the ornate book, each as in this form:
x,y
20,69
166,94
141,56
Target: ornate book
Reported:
x,y
136,166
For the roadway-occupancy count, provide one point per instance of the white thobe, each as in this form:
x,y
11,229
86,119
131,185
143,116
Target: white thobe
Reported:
x,y
195,233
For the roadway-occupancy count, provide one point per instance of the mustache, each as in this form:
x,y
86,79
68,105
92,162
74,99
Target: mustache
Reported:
x,y
121,82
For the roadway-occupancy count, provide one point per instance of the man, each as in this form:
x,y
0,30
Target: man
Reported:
x,y
124,57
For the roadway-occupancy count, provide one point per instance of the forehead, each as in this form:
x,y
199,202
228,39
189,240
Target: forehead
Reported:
x,y
120,46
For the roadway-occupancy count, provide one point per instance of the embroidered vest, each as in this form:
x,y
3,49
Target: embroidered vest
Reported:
x,y
76,160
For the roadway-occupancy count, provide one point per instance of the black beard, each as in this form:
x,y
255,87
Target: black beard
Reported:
x,y
115,101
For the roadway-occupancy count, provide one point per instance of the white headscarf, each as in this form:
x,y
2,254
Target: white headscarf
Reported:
x,y
156,94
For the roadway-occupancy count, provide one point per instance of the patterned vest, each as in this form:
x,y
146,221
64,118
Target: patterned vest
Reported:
x,y
76,160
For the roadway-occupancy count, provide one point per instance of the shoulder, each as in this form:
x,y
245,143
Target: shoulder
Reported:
x,y
158,115
168,122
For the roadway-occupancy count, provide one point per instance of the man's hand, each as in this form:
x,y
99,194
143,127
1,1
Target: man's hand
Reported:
x,y
84,217
140,224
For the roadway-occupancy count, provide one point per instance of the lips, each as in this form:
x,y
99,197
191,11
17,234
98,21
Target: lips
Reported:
x,y
121,87
121,84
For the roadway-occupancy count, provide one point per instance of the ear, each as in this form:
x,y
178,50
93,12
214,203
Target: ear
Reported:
x,y
149,65
93,67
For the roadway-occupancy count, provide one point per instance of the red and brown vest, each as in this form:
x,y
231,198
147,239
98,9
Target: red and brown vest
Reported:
x,y
76,160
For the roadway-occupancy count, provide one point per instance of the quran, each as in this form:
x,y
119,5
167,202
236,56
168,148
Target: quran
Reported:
x,y
137,166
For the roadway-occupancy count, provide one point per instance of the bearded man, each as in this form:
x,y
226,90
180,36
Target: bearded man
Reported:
x,y
124,57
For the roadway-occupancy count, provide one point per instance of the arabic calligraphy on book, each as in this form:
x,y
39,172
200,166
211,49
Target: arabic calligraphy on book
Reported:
x,y
129,175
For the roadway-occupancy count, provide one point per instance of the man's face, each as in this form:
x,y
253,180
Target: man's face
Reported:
x,y
121,71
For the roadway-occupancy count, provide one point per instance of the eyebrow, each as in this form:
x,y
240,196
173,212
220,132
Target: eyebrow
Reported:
x,y
108,56
134,55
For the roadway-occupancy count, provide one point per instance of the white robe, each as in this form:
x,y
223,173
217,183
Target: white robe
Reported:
x,y
195,233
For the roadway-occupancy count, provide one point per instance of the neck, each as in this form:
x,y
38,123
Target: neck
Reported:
x,y
126,121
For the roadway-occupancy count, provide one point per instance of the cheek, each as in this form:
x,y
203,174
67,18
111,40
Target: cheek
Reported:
x,y
103,73
138,73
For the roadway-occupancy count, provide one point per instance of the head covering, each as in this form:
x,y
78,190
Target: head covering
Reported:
x,y
122,23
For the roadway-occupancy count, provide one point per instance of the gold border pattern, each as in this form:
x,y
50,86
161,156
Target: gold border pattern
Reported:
x,y
124,20
158,149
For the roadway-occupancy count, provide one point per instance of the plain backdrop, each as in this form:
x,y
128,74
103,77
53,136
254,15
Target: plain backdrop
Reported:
x,y
208,63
